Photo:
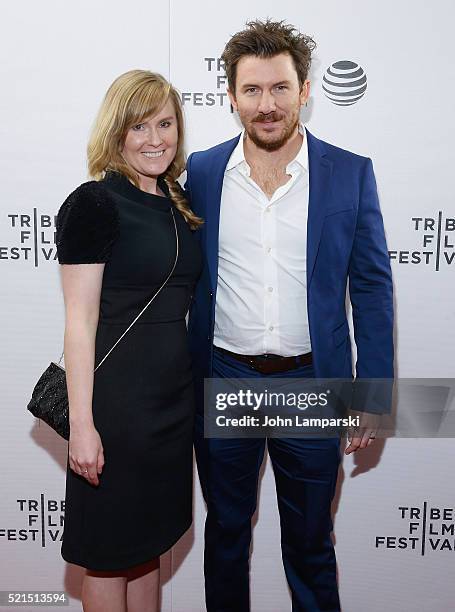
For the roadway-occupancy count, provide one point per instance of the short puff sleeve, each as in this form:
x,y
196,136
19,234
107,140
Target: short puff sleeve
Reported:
x,y
87,225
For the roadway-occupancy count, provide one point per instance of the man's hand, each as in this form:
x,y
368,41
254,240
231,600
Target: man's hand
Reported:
x,y
363,435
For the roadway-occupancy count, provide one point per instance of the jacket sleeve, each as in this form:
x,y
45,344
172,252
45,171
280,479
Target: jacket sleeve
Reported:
x,y
370,285
371,295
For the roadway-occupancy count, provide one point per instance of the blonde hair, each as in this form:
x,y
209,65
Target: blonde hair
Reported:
x,y
132,97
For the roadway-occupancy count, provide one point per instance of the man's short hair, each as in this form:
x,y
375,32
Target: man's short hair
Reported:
x,y
268,39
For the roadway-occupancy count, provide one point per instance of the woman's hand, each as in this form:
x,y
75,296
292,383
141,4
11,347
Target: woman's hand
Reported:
x,y
86,456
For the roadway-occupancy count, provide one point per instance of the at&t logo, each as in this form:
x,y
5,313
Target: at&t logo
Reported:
x,y
344,83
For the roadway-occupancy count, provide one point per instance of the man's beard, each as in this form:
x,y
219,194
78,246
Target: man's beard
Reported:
x,y
281,139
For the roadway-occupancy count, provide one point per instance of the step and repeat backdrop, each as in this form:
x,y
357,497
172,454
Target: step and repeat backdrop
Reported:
x,y
394,513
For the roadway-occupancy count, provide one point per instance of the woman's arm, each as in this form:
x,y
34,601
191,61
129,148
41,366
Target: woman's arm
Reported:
x,y
81,290
86,230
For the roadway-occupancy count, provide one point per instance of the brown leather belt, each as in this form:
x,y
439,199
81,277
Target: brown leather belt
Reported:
x,y
269,363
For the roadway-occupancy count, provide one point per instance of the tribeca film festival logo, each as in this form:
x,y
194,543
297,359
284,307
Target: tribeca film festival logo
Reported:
x,y
30,237
39,520
436,242
219,97
344,83
426,529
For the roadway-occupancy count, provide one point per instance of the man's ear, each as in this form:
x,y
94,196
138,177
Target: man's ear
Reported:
x,y
232,99
305,93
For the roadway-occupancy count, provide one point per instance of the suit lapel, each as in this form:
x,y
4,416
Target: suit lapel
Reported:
x,y
213,198
320,171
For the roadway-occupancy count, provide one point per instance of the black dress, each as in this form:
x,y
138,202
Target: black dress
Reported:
x,y
142,397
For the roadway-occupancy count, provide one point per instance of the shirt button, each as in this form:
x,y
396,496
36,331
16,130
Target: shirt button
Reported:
x,y
271,328
269,249
270,289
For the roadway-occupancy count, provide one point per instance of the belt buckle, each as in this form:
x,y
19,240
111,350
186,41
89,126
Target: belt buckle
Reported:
x,y
256,364
268,366
262,367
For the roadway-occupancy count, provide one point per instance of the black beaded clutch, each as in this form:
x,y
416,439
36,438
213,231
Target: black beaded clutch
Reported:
x,y
50,396
50,400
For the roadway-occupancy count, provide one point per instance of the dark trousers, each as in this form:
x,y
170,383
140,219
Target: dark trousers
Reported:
x,y
305,475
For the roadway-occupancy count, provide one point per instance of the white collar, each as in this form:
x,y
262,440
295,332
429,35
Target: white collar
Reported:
x,y
238,155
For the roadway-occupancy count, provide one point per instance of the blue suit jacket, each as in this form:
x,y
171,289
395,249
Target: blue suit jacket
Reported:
x,y
345,244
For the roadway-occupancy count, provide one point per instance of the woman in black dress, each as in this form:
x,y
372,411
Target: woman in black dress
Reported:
x,y
129,476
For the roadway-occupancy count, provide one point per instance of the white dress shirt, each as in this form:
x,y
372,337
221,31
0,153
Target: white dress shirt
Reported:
x,y
261,300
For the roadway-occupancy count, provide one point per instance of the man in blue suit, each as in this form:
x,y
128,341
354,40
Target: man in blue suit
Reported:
x,y
289,221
